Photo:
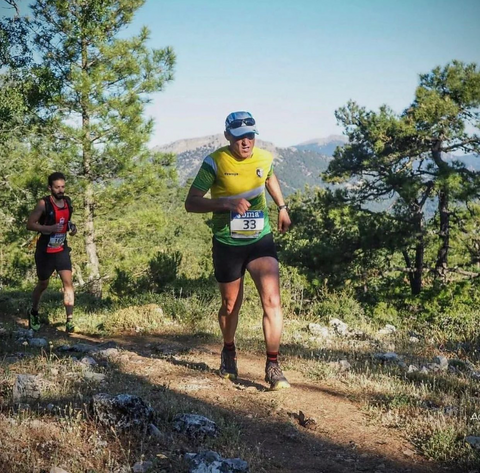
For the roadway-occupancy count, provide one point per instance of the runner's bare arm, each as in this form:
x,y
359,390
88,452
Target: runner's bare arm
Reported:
x,y
34,226
197,202
273,188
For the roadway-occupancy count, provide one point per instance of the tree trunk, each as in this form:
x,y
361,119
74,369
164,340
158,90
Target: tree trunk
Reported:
x,y
444,233
443,212
94,281
415,276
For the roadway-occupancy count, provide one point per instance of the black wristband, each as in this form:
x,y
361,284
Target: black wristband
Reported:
x,y
281,207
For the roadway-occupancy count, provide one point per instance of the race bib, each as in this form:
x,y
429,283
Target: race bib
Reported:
x,y
248,225
56,240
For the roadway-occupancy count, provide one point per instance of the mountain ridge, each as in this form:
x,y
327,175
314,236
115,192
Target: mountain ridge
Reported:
x,y
295,166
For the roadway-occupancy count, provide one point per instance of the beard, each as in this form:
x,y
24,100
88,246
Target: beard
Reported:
x,y
58,195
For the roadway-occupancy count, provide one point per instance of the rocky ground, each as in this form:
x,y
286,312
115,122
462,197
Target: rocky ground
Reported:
x,y
312,427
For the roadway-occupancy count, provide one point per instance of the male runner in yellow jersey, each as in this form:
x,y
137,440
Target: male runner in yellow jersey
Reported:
x,y
237,176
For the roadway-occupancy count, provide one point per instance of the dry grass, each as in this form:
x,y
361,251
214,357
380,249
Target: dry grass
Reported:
x,y
59,430
435,410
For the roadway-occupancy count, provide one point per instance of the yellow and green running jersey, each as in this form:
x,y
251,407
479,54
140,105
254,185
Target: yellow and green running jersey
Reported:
x,y
231,178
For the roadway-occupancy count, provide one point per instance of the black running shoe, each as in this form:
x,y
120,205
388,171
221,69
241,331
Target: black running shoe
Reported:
x,y
274,376
228,365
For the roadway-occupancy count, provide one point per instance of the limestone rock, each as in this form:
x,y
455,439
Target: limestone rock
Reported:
x,y
38,342
387,330
433,367
195,426
474,442
389,356
27,387
475,375
212,462
107,353
95,377
341,328
88,361
442,361
341,366
357,334
124,412
318,330
142,467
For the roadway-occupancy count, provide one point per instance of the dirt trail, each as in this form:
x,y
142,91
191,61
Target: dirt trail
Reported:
x,y
312,427
333,436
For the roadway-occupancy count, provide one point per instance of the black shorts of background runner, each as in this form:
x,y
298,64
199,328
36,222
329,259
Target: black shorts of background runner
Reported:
x,y
47,263
230,262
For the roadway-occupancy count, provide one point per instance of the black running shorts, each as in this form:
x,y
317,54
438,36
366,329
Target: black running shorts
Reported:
x,y
47,263
230,262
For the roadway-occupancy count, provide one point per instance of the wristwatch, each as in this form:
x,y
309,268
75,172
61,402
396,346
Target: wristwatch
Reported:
x,y
281,207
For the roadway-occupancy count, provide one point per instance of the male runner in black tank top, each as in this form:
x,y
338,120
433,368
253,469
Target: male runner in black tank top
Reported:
x,y
51,218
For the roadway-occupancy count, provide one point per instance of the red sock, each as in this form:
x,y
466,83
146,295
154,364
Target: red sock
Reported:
x,y
272,356
229,346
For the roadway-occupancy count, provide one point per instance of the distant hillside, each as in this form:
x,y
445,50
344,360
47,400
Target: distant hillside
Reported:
x,y
471,161
191,152
295,167
325,146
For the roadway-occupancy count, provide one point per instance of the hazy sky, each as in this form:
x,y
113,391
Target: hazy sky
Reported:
x,y
293,63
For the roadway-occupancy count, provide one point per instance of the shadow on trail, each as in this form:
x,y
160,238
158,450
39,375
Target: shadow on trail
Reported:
x,y
17,302
289,449
13,301
269,443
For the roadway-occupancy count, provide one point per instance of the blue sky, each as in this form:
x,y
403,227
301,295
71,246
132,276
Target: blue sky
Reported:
x,y
293,63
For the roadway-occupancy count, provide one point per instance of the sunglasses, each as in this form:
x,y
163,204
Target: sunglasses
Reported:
x,y
248,136
240,122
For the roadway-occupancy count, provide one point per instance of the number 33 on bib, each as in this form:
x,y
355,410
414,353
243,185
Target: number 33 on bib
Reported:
x,y
248,225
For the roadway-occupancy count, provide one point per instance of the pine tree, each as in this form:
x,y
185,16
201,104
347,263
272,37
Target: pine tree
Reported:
x,y
446,118
102,85
405,157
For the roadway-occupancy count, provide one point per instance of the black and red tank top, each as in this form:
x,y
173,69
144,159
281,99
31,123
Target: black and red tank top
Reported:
x,y
55,242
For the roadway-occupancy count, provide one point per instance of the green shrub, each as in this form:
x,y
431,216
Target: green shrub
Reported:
x,y
337,304
295,290
163,269
123,284
191,309
385,313
141,318
447,445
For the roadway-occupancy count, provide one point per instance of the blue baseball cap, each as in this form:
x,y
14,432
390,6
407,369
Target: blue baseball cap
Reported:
x,y
240,123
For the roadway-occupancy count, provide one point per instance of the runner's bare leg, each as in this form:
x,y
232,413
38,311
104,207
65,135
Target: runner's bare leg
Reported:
x,y
68,293
265,274
232,297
